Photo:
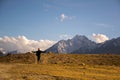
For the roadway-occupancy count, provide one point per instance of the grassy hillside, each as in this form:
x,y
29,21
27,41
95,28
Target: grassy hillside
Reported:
x,y
60,67
71,59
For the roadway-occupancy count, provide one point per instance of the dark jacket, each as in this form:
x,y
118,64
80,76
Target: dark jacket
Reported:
x,y
39,52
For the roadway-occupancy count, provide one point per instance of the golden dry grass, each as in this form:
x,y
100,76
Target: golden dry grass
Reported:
x,y
60,67
58,72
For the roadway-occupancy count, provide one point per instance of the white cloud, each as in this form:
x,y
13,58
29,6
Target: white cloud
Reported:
x,y
22,44
65,36
103,25
65,17
99,38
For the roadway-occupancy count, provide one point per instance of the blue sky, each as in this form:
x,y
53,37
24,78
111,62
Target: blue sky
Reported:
x,y
48,19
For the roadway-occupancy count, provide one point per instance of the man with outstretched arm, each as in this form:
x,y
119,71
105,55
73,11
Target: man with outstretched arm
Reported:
x,y
38,54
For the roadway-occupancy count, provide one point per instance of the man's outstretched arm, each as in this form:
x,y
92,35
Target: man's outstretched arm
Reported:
x,y
34,51
44,51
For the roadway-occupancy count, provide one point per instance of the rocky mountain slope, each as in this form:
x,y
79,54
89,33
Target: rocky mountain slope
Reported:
x,y
70,45
81,44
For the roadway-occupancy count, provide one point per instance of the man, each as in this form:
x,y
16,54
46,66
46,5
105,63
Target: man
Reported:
x,y
38,54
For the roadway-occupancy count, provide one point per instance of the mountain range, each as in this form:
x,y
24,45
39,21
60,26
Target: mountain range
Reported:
x,y
81,44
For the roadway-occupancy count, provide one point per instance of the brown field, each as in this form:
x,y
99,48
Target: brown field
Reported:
x,y
60,67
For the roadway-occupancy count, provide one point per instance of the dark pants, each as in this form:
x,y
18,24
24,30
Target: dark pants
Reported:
x,y
38,58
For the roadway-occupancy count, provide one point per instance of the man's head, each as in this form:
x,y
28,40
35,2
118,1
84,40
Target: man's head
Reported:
x,y
38,48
